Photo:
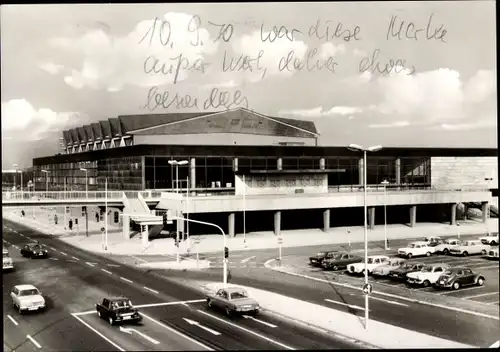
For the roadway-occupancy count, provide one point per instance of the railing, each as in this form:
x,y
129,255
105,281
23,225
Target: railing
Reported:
x,y
94,195
403,188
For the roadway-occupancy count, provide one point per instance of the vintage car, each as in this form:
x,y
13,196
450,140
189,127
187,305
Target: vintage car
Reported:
x,y
317,259
428,276
470,247
340,261
401,272
493,253
457,277
34,250
117,310
27,298
7,263
418,248
233,300
491,239
385,269
372,263
447,245
433,241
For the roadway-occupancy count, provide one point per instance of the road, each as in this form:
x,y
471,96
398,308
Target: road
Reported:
x,y
175,316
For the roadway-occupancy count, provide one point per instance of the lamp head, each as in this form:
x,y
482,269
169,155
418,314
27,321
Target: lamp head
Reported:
x,y
355,148
182,162
375,148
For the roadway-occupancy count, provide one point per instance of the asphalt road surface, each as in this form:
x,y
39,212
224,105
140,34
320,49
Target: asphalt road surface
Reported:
x,y
175,316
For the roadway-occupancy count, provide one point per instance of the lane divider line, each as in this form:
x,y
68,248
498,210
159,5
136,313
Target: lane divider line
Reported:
x,y
352,306
169,303
463,289
75,258
125,279
89,264
12,320
52,258
390,302
150,289
52,248
34,341
107,271
63,253
98,333
481,295
247,330
246,260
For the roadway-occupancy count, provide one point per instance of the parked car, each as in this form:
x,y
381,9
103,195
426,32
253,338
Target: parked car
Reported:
x,y
317,259
433,241
493,253
491,239
27,298
7,262
372,263
447,245
117,310
385,269
401,272
418,248
340,261
470,247
455,278
428,276
34,250
233,300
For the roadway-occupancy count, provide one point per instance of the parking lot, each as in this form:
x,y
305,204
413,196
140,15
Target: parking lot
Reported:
x,y
487,294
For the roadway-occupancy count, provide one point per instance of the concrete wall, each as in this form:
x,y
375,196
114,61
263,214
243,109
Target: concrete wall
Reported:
x,y
219,139
281,184
460,172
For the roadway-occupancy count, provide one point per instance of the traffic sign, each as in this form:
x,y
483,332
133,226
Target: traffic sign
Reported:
x,y
103,229
280,240
367,289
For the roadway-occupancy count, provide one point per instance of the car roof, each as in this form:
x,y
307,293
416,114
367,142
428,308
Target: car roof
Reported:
x,y
378,256
439,264
33,244
117,298
233,289
25,287
418,242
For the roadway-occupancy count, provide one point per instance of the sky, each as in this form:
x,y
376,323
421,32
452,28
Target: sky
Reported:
x,y
405,74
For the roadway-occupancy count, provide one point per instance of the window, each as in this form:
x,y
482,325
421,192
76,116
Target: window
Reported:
x,y
468,272
439,270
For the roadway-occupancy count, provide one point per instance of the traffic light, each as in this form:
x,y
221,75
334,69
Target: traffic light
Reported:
x,y
226,252
84,210
165,219
76,221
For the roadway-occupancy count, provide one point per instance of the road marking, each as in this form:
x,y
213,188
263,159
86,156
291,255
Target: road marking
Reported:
x,y
492,303
14,231
51,258
390,302
192,322
247,330
150,289
63,253
130,330
124,279
266,264
169,303
260,321
12,320
98,333
246,260
22,235
481,295
176,332
52,248
70,261
212,257
75,258
34,341
463,289
495,345
142,260
344,304
107,271
113,265
487,267
90,264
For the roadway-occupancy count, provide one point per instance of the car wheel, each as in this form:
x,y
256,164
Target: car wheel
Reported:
x,y
335,268
428,254
209,303
228,311
465,254
445,251
409,255
483,252
427,283
255,312
111,321
480,281
456,286
493,243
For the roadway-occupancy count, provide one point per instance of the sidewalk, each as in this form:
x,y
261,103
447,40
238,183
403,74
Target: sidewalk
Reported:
x,y
379,335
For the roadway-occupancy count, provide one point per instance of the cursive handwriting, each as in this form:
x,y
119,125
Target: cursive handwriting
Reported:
x,y
223,98
242,63
329,34
277,33
178,63
372,64
165,32
291,63
407,30
225,31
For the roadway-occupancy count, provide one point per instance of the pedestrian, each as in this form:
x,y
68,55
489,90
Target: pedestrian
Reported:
x,y
55,219
228,275
96,217
22,213
70,224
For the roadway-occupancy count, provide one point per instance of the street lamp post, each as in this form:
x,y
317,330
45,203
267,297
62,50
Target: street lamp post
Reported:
x,y
86,182
177,163
15,178
355,147
385,183
46,180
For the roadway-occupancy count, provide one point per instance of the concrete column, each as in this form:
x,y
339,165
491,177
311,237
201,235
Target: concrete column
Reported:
x,y
413,215
371,218
277,223
326,220
360,171
485,209
143,172
279,164
453,220
144,235
126,227
322,163
398,171
465,210
235,164
230,224
192,174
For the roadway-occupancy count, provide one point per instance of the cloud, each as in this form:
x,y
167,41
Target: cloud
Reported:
x,y
18,115
362,78
51,68
479,124
357,52
390,125
319,112
112,62
329,50
480,86
228,84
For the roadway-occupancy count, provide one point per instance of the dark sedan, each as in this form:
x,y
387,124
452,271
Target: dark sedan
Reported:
x,y
34,250
340,261
457,277
401,272
317,259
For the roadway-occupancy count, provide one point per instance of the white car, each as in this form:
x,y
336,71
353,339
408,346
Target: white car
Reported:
x,y
27,298
416,249
372,263
385,269
491,239
428,276
447,245
433,241
470,247
493,253
7,263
